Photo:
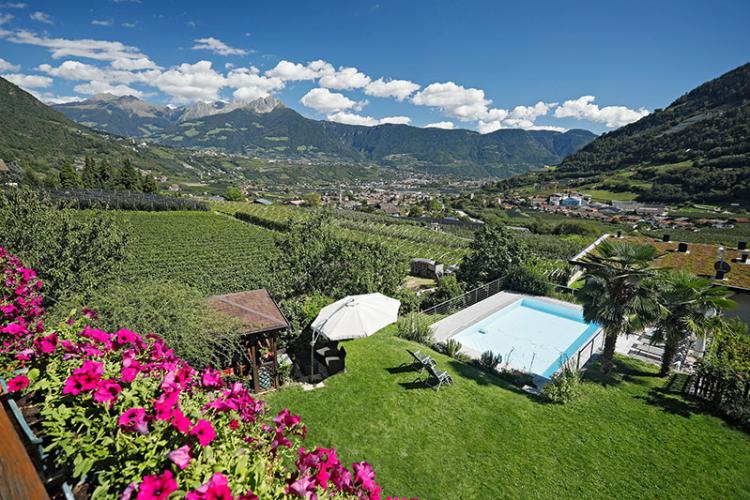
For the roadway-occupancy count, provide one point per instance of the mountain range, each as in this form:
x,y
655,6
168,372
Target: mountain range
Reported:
x,y
267,129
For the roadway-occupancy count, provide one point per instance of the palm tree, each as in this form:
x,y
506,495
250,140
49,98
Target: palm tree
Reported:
x,y
687,303
617,293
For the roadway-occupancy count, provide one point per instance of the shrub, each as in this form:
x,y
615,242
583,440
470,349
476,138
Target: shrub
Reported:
x,y
71,254
448,287
178,313
489,360
452,346
410,300
123,413
527,280
416,327
564,387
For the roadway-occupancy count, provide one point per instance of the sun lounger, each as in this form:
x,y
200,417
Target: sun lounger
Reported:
x,y
421,361
440,377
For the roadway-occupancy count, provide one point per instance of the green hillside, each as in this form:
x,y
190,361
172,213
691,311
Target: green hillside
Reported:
x,y
696,149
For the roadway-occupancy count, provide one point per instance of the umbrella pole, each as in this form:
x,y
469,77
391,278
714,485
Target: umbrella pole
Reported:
x,y
312,356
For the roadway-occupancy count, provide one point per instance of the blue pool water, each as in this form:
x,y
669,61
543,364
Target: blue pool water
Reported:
x,y
531,335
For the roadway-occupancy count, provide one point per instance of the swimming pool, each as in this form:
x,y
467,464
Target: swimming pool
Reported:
x,y
532,335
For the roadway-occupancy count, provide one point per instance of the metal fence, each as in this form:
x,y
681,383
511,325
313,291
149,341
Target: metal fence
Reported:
x,y
587,351
467,299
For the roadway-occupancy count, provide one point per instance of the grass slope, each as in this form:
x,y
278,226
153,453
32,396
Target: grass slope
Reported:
x,y
481,438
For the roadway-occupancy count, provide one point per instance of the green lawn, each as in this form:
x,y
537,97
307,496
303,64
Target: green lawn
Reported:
x,y
482,438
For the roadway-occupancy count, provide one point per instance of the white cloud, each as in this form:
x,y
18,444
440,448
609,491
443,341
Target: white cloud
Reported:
x,y
5,18
133,64
250,85
584,108
6,66
29,81
49,98
102,22
98,87
398,89
454,100
188,82
100,50
344,79
368,121
76,70
129,25
396,120
444,125
325,101
290,72
41,17
13,5
217,47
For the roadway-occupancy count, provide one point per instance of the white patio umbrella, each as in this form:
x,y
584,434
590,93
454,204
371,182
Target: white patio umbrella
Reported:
x,y
353,317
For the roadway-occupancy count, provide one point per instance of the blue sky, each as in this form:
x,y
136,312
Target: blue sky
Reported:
x,y
477,65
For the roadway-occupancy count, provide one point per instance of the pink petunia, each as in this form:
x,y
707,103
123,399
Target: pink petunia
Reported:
x,y
204,431
157,487
211,378
18,383
216,488
302,487
180,457
134,419
125,336
107,392
180,421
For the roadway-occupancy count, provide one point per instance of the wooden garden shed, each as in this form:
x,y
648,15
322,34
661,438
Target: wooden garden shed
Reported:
x,y
262,320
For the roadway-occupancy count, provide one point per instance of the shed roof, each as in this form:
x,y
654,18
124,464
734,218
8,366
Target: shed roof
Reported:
x,y
255,309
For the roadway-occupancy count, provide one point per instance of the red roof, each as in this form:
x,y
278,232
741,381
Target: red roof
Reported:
x,y
255,309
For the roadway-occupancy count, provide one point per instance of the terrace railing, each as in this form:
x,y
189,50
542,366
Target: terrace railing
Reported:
x,y
587,351
467,299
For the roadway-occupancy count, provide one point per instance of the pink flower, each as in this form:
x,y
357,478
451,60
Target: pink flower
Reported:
x,y
204,431
124,336
46,344
365,477
107,391
233,424
134,419
302,487
89,313
18,383
215,489
127,493
180,421
157,487
15,330
86,378
211,378
180,456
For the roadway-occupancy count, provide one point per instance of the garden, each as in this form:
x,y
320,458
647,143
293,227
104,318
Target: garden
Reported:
x,y
121,415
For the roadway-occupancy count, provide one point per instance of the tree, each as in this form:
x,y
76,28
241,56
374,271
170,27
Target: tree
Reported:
x,y
73,255
494,251
148,184
618,292
686,303
130,178
69,178
90,176
448,287
233,194
312,199
104,175
314,260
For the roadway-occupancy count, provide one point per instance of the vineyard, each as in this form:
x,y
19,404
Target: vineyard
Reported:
x,y
408,238
211,252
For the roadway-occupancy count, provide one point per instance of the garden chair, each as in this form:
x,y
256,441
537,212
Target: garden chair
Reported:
x,y
441,377
420,360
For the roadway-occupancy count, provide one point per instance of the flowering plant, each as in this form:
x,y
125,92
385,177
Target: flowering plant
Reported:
x,y
123,413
